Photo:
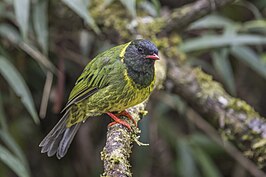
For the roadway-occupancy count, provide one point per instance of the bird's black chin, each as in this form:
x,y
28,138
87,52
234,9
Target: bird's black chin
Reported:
x,y
141,71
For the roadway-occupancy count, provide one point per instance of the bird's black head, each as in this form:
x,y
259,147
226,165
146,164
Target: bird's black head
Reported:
x,y
142,49
139,58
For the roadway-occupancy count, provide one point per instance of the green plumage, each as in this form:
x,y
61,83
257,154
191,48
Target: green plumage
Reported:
x,y
114,80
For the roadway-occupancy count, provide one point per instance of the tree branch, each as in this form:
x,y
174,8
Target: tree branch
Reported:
x,y
235,119
180,18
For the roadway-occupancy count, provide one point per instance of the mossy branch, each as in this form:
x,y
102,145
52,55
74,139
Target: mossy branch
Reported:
x,y
180,18
236,121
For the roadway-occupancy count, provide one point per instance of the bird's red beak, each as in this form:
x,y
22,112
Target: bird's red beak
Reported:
x,y
153,57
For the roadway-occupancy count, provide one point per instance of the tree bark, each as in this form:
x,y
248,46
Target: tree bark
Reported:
x,y
180,18
236,121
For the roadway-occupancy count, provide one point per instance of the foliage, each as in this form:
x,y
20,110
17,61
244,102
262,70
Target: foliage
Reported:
x,y
41,39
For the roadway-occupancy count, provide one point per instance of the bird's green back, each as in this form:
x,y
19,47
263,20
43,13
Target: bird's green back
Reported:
x,y
95,74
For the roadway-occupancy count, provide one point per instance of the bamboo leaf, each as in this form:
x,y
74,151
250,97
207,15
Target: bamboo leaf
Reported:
x,y
212,21
81,8
206,164
17,83
186,165
22,10
13,146
9,32
40,24
223,67
131,6
248,56
13,163
213,41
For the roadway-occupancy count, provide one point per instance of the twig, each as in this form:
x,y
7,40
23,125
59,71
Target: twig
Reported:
x,y
46,93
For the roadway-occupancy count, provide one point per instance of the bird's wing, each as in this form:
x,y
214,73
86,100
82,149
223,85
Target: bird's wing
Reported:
x,y
96,75
90,81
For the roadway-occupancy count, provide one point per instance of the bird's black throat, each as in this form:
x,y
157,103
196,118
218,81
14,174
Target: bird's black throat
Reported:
x,y
140,71
140,68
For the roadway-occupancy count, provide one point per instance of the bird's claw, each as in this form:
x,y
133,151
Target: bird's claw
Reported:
x,y
119,121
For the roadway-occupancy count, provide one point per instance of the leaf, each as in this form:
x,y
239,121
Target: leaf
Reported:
x,y
186,166
208,167
13,146
38,56
13,163
255,25
149,8
80,7
212,41
212,21
131,6
223,67
40,23
12,35
22,10
248,56
9,32
19,86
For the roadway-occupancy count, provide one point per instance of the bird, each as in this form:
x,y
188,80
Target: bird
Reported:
x,y
113,81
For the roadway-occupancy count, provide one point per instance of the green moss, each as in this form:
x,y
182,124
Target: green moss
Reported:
x,y
209,88
148,27
118,158
241,106
169,46
112,18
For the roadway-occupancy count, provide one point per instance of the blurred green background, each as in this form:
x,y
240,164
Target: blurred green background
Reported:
x,y
44,46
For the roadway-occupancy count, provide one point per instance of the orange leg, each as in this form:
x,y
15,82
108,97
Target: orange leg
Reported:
x,y
125,113
117,120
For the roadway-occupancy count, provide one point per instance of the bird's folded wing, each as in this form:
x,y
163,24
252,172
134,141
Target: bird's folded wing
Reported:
x,y
93,78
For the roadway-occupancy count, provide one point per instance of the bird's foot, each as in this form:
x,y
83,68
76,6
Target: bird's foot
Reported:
x,y
119,121
125,113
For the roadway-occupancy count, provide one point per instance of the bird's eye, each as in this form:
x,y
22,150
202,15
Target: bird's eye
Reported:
x,y
140,50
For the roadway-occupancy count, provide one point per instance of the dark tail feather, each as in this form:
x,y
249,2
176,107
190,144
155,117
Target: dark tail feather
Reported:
x,y
59,138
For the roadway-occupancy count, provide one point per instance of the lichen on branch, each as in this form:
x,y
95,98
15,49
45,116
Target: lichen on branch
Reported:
x,y
236,121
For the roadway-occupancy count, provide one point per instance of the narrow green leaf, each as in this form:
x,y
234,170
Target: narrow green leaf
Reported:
x,y
22,10
40,24
9,32
248,56
212,21
223,67
131,6
213,41
12,35
38,56
81,8
13,146
208,167
255,25
186,166
149,8
19,86
12,162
